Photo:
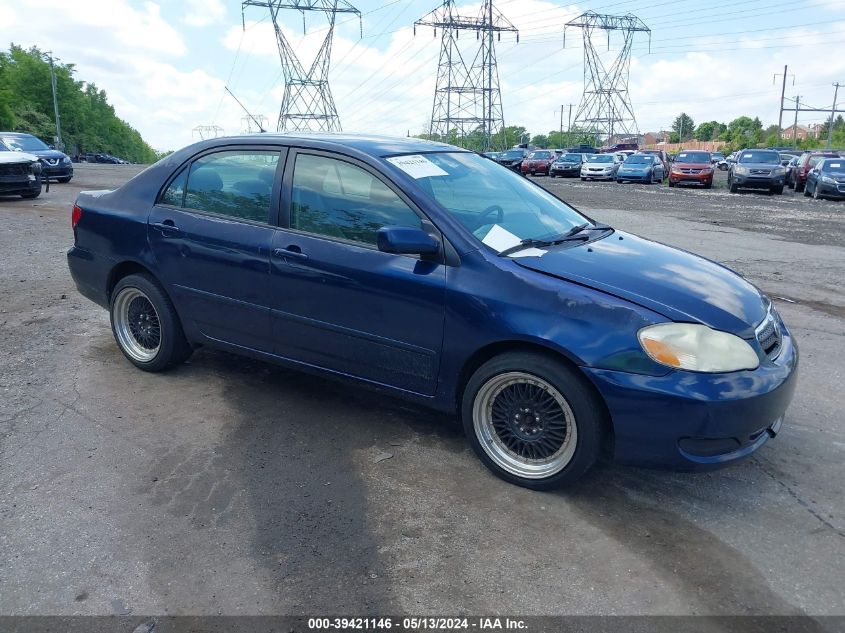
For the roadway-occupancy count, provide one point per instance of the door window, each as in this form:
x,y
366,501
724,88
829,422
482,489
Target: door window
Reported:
x,y
238,184
334,198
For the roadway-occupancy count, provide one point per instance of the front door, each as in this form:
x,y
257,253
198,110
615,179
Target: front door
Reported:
x,y
211,234
337,301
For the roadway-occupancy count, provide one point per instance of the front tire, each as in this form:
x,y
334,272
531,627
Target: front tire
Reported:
x,y
145,324
732,185
66,179
532,420
778,190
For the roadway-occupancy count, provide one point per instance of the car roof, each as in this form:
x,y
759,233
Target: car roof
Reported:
x,y
15,134
372,144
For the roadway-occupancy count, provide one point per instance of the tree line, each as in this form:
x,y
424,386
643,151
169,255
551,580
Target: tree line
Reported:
x,y
88,121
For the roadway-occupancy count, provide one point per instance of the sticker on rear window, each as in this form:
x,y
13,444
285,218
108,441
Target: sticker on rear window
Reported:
x,y
836,165
417,166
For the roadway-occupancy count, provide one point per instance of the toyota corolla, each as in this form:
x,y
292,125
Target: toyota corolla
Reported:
x,y
442,277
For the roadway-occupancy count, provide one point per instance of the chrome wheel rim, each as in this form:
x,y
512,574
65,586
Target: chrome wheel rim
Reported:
x,y
525,425
136,325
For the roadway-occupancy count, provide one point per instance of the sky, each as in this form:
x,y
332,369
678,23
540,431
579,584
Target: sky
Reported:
x,y
165,63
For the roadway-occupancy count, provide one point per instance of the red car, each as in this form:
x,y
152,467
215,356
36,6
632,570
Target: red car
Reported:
x,y
805,164
538,162
692,168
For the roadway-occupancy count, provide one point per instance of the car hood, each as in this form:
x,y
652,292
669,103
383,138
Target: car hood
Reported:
x,y
675,283
692,165
48,153
637,166
760,165
10,158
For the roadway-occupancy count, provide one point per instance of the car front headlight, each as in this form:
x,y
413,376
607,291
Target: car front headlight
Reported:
x,y
778,171
36,168
828,180
696,348
66,160
740,169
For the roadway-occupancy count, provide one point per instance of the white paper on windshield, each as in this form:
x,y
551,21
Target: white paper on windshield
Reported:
x,y
500,239
417,166
834,165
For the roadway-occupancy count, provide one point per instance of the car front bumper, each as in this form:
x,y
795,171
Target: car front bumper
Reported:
x,y
758,182
831,191
57,171
18,185
692,179
565,171
697,421
634,176
598,175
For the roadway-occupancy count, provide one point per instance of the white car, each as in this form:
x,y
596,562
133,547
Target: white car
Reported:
x,y
600,167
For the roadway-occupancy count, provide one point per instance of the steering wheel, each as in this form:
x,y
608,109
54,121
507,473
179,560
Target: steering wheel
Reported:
x,y
493,208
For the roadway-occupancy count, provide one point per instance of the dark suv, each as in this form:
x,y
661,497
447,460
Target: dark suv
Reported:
x,y
567,165
20,174
757,169
512,158
55,164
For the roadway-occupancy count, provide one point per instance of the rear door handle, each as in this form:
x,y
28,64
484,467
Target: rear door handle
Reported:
x,y
289,253
167,227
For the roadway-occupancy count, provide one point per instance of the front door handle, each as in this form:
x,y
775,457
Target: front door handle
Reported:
x,y
167,227
291,252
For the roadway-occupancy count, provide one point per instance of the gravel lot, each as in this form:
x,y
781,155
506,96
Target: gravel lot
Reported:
x,y
229,486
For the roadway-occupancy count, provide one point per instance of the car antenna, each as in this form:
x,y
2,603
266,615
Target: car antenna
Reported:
x,y
257,122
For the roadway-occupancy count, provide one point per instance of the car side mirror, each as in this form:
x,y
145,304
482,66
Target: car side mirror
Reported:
x,y
405,240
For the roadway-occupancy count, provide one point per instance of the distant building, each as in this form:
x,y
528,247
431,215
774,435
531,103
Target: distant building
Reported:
x,y
801,132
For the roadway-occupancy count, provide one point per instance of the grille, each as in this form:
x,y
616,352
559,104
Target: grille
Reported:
x,y
761,172
14,170
769,335
690,171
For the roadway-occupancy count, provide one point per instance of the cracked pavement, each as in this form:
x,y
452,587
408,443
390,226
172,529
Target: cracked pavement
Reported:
x,y
232,487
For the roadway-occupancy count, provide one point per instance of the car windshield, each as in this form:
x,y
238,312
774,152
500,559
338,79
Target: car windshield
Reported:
x,y
601,158
833,166
568,158
539,155
24,143
693,157
755,156
718,155
639,159
513,153
497,205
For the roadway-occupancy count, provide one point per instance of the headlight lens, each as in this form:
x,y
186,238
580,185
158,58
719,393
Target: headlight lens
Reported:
x,y
828,180
696,348
740,169
778,171
36,168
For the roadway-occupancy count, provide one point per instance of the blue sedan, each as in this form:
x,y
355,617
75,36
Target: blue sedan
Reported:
x,y
442,277
647,168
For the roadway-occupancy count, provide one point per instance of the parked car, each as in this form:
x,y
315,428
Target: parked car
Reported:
x,y
493,155
716,157
805,164
692,168
646,168
664,157
436,275
582,148
826,179
725,165
538,162
568,164
789,179
757,169
600,167
55,165
512,158
786,157
20,174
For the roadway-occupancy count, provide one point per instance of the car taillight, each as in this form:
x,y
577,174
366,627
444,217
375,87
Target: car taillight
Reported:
x,y
75,215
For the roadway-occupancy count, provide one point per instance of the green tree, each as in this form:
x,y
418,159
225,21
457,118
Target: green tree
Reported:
x,y
684,127
89,122
709,131
540,140
744,132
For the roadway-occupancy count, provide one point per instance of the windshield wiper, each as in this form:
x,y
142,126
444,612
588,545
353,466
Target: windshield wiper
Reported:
x,y
572,234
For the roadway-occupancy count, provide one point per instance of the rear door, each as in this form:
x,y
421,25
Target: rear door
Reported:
x,y
211,233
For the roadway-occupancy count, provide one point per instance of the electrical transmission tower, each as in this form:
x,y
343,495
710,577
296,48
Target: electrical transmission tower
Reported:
x,y
467,98
605,110
307,103
207,131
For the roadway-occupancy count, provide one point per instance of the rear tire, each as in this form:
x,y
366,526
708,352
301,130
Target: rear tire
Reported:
x,y
799,187
145,324
806,192
532,420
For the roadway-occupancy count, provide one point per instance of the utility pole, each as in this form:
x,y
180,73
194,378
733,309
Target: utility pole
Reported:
x,y
782,93
569,127
795,124
59,144
836,86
